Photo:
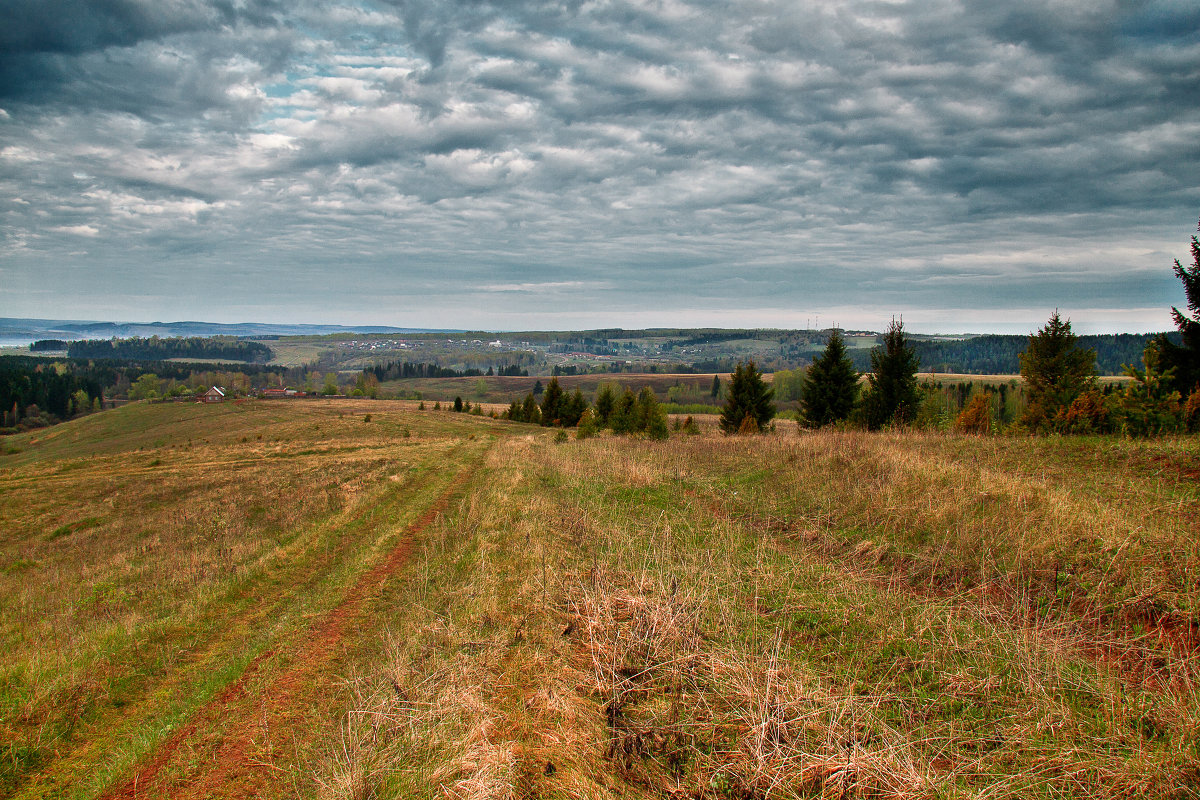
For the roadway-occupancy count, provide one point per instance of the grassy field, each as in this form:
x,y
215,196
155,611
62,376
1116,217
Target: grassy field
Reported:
x,y
290,600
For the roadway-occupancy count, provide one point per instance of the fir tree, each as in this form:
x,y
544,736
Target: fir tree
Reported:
x,y
553,400
748,396
892,396
1056,371
1185,359
530,411
831,384
573,408
606,401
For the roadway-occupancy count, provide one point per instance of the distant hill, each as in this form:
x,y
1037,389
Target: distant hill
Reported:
x,y
15,331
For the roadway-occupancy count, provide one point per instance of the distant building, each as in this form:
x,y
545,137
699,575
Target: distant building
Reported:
x,y
214,395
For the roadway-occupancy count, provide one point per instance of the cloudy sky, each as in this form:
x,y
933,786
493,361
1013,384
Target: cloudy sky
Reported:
x,y
968,164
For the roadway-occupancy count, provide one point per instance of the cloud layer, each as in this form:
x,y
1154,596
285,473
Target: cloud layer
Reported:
x,y
969,164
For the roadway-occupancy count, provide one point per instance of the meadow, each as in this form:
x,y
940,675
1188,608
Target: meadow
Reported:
x,y
359,599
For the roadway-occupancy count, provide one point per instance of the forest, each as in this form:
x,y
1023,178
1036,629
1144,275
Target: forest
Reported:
x,y
31,388
996,354
215,348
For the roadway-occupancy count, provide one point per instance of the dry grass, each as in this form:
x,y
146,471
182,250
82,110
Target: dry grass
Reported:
x,y
755,618
790,616
161,547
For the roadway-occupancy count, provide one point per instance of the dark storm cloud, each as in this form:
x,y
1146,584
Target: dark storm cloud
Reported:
x,y
684,157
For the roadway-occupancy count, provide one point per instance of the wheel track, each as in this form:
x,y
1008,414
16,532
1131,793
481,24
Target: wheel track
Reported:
x,y
231,764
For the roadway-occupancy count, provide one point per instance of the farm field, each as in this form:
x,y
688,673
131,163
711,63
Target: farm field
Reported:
x,y
288,599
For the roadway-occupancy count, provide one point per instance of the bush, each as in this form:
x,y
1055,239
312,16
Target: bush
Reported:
x,y
587,425
976,418
1088,413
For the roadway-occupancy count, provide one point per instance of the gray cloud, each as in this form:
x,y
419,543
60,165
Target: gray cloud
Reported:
x,y
625,157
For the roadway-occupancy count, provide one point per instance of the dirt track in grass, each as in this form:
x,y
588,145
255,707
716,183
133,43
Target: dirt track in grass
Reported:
x,y
237,761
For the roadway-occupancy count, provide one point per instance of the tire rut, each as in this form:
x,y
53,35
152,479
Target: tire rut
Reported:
x,y
231,764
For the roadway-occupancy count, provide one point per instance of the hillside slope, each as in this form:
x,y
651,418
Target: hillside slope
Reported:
x,y
426,604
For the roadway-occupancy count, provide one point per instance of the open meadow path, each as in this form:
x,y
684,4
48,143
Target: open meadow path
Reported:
x,y
218,562
233,739
321,603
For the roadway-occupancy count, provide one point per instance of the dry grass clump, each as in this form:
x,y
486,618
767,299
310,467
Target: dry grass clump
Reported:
x,y
695,713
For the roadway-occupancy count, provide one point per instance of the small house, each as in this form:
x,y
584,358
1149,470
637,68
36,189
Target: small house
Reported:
x,y
213,395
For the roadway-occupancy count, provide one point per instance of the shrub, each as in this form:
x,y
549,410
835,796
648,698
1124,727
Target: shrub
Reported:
x,y
976,418
1088,413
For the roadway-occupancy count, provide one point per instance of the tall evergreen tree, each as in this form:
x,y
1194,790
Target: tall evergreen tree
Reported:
x,y
831,384
571,408
892,396
552,403
529,410
606,401
748,396
1185,359
1056,371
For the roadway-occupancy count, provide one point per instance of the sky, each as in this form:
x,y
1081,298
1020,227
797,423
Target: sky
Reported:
x,y
965,165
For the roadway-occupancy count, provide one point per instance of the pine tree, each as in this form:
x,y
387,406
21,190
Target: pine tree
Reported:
x,y
716,387
831,384
606,401
1185,359
572,408
1056,371
553,400
623,418
649,416
748,396
530,411
892,396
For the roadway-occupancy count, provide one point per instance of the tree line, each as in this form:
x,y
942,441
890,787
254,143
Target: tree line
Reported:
x,y
154,348
397,370
997,354
1058,370
34,393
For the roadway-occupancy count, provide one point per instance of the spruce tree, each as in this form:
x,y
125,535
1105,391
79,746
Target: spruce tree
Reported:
x,y
1185,359
529,410
748,396
831,384
606,401
552,403
573,407
892,396
1056,371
